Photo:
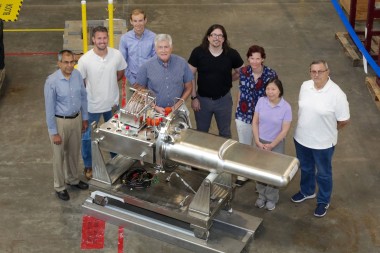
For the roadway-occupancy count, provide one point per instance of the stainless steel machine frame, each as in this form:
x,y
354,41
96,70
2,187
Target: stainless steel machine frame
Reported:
x,y
186,207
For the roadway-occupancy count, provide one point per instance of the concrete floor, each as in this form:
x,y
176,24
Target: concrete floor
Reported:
x,y
293,33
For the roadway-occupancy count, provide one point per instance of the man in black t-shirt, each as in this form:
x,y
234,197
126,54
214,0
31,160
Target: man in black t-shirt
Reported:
x,y
217,65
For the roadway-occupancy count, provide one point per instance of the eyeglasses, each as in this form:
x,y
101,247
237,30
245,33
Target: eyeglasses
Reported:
x,y
216,36
314,72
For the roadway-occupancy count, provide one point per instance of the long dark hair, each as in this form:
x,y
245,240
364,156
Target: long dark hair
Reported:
x,y
206,43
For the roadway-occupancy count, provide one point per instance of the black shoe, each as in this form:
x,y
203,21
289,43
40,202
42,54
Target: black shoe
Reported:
x,y
64,195
81,185
240,182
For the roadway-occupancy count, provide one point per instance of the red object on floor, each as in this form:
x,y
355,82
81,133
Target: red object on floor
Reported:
x,y
123,92
92,233
120,241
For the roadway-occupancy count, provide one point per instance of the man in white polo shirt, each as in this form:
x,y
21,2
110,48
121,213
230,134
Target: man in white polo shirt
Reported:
x,y
323,110
101,67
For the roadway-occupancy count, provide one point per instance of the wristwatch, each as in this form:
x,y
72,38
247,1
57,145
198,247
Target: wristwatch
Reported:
x,y
192,98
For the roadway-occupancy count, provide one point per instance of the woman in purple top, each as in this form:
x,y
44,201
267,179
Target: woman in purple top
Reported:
x,y
270,124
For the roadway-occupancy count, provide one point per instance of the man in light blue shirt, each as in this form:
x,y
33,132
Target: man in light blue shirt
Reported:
x,y
137,45
66,118
167,75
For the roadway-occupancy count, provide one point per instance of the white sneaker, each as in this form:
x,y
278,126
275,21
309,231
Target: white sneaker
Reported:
x,y
270,205
260,203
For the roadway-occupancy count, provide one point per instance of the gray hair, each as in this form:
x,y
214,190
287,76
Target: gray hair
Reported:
x,y
64,51
320,62
163,37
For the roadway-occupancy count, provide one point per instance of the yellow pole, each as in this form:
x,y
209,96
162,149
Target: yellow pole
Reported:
x,y
110,22
84,26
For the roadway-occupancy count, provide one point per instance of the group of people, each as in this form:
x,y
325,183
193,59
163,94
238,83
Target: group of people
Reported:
x,y
75,97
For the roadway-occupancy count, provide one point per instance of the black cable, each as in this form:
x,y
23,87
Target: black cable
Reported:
x,y
137,178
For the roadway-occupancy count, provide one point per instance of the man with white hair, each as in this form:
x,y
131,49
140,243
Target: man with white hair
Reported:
x,y
167,75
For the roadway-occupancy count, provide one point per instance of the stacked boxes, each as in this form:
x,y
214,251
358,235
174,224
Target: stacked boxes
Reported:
x,y
73,36
361,8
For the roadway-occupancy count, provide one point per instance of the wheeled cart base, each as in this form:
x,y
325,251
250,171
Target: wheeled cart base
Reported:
x,y
230,232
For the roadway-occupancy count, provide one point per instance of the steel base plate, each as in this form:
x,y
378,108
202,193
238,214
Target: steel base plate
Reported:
x,y
230,232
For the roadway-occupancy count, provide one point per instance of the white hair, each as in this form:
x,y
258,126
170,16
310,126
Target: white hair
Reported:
x,y
163,37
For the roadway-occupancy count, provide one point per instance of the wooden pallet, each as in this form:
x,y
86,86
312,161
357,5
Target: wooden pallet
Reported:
x,y
351,49
72,37
374,89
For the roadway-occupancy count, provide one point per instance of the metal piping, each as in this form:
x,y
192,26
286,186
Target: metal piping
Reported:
x,y
217,154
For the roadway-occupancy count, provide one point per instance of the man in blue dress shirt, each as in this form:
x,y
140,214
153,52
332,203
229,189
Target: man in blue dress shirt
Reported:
x,y
137,45
66,118
167,75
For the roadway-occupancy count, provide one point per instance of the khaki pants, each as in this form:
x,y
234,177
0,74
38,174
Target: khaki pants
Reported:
x,y
66,155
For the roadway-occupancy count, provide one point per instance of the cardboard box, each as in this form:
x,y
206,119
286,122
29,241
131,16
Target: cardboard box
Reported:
x,y
361,8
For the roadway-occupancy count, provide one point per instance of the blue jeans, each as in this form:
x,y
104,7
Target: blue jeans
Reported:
x,y
316,168
221,108
86,136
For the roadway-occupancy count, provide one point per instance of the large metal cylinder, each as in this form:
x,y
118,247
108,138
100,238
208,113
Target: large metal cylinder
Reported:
x,y
178,143
214,153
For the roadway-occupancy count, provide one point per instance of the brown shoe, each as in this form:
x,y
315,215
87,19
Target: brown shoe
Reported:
x,y
88,172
